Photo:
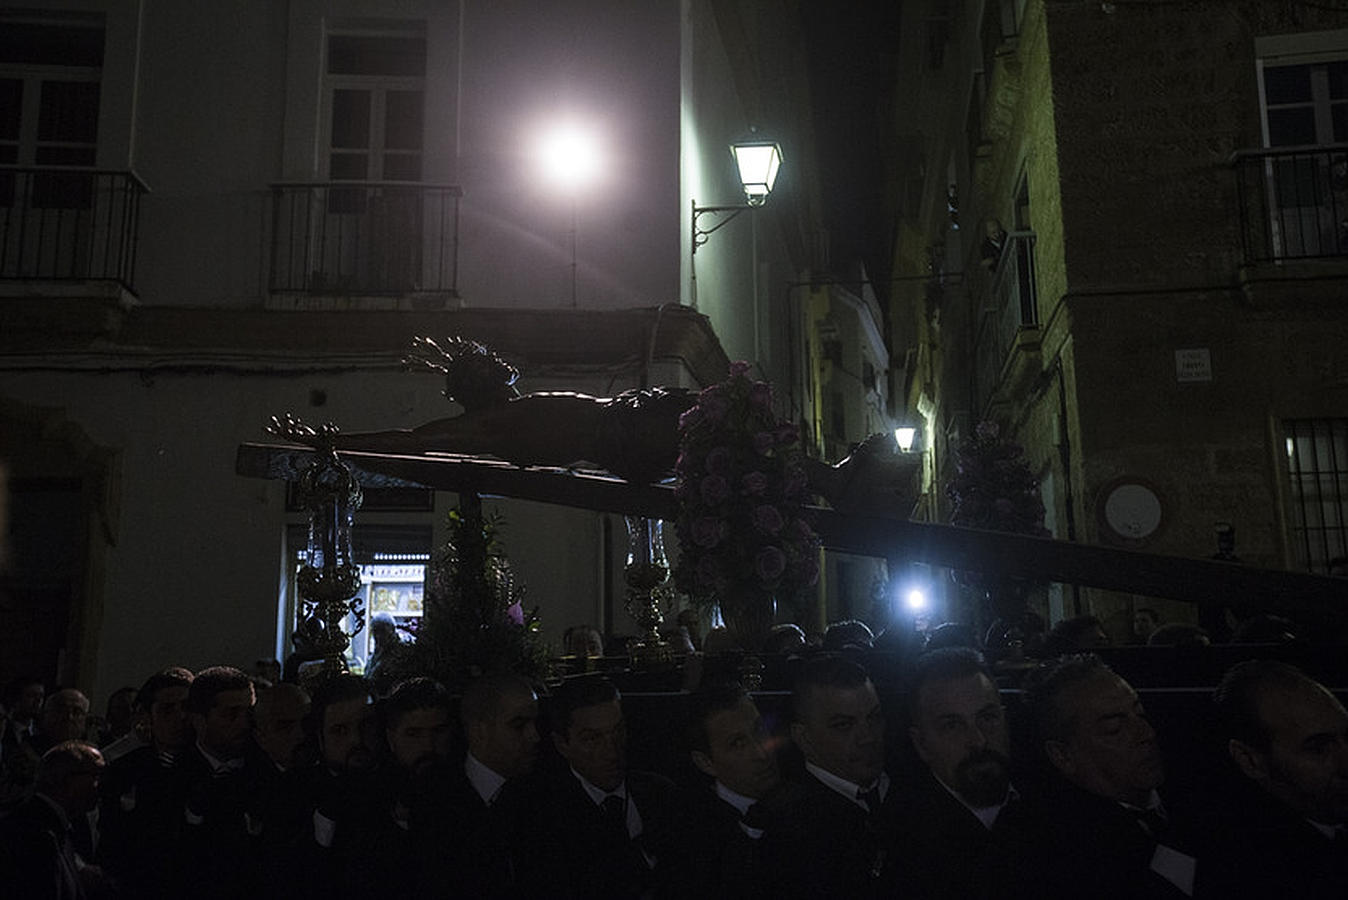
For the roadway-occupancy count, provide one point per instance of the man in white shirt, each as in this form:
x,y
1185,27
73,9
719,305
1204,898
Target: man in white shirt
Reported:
x,y
216,845
824,833
1283,824
1103,829
601,829
500,721
958,821
718,831
471,829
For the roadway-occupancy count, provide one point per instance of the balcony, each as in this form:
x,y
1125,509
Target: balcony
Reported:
x,y
366,238
1012,307
1293,202
69,224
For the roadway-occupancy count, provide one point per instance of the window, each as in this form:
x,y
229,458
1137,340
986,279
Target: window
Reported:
x,y
49,100
374,98
1305,108
376,92
1317,463
1306,103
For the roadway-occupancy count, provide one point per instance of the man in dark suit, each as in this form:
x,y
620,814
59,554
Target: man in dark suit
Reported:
x,y
277,771
601,830
140,815
1283,825
217,845
824,832
717,842
1102,830
340,792
22,699
417,727
959,831
470,827
38,857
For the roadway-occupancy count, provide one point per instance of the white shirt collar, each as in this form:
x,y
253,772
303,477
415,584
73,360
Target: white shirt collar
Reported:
x,y
1329,831
847,788
216,763
597,794
484,779
739,801
1153,804
985,814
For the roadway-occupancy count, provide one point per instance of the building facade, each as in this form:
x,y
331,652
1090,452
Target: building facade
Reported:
x,y
1122,239
211,214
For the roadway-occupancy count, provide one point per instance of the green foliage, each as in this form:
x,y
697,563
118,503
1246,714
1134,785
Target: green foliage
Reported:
x,y
474,618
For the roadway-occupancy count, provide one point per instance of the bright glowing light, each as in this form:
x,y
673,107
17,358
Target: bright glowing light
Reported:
x,y
904,436
758,162
915,600
571,156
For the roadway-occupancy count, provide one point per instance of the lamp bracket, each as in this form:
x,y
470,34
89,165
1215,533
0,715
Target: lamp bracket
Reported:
x,y
700,235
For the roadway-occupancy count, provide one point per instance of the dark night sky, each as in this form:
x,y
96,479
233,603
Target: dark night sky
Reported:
x,y
853,49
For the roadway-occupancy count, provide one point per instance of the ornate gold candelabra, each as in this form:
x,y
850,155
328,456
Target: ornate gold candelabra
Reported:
x,y
329,579
646,574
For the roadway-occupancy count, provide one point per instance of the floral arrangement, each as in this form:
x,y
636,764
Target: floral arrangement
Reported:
x,y
741,487
993,487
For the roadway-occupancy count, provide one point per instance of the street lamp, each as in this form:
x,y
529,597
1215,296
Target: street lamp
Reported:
x,y
757,163
904,436
572,159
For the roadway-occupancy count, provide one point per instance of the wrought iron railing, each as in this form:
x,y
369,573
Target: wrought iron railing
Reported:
x,y
69,224
365,237
1293,202
1011,305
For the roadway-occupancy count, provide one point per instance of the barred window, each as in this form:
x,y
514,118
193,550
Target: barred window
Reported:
x,y
1317,462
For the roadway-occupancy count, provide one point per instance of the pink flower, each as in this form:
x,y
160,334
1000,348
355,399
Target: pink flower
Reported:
x,y
707,532
795,483
515,613
738,367
767,519
713,407
718,461
754,483
760,394
770,563
714,490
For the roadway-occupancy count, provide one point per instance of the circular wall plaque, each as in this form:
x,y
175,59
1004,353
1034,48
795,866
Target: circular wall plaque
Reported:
x,y
1132,510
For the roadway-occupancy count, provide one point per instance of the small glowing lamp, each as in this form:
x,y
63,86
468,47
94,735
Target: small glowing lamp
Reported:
x,y
758,162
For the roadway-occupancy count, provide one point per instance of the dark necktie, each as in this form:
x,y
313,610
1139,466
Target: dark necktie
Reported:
x,y
615,812
1153,822
871,798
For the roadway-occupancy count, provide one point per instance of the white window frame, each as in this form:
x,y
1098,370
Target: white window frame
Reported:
x,y
379,87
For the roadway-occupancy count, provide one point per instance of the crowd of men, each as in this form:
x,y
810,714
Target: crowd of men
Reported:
x,y
240,790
